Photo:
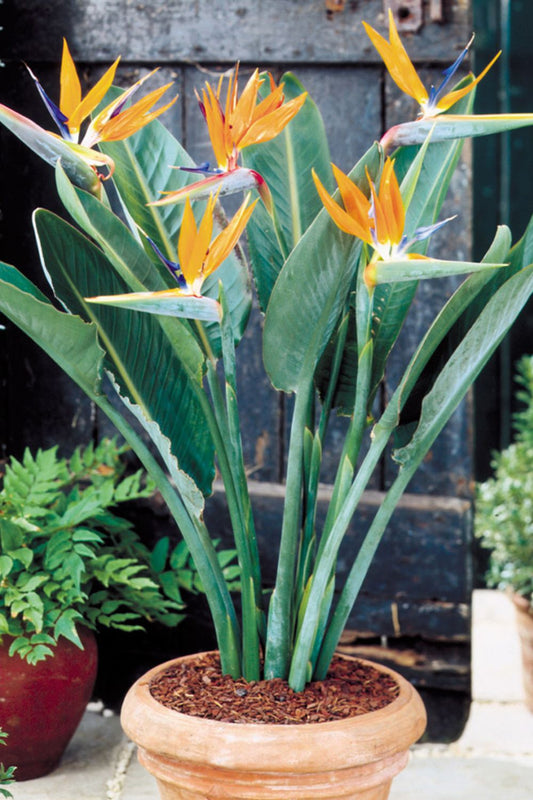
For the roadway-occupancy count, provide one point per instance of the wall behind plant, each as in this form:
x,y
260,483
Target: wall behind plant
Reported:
x,y
416,603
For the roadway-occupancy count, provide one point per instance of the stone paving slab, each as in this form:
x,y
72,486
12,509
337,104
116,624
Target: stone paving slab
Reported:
x,y
493,759
88,764
440,777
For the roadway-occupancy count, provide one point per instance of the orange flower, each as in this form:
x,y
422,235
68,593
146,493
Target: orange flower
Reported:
x,y
243,121
405,76
378,221
198,257
114,122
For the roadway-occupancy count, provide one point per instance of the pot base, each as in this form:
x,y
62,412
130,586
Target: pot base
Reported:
x,y
190,782
201,759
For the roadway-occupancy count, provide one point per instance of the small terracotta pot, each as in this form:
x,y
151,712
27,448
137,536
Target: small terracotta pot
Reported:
x,y
200,759
524,620
41,705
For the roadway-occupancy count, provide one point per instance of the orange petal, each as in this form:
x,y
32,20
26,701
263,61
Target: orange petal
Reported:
x,y
70,88
392,203
187,235
243,113
130,120
355,202
228,237
265,129
340,217
214,118
397,61
452,97
94,97
194,269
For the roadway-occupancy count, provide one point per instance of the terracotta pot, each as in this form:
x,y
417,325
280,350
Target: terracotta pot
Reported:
x,y
524,619
198,759
42,704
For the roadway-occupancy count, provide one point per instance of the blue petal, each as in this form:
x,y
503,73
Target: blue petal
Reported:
x,y
57,115
436,94
427,230
203,169
173,266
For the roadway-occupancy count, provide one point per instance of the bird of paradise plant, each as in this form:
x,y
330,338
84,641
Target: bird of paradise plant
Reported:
x,y
159,300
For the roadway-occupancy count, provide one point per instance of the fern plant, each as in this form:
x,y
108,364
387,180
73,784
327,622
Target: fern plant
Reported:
x,y
66,557
504,503
7,774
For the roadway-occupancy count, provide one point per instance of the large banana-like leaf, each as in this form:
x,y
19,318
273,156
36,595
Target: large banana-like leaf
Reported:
x,y
285,163
141,173
68,340
129,259
74,345
138,353
454,322
465,364
310,294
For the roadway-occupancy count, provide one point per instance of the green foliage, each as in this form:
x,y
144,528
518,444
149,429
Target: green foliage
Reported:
x,y
67,558
334,305
7,774
504,503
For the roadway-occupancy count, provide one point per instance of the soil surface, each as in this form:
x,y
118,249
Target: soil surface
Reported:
x,y
198,688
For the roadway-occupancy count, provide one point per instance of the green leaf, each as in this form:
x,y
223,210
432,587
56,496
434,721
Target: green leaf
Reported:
x,y
122,246
310,294
164,390
11,535
141,173
72,343
466,363
5,566
285,164
451,325
66,626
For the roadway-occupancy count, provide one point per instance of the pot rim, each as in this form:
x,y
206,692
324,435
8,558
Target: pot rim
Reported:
x,y
367,737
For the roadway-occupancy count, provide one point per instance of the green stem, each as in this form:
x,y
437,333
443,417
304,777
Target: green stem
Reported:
x,y
230,478
281,610
359,571
326,562
353,439
198,541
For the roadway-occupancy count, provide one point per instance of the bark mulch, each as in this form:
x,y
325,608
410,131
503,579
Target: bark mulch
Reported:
x,y
199,689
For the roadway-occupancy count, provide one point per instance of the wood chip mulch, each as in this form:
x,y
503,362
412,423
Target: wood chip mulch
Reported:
x,y
199,689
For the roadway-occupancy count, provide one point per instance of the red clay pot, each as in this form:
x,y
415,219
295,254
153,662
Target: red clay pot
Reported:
x,y
41,705
524,620
201,759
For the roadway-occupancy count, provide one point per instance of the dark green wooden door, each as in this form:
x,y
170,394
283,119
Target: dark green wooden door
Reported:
x,y
503,172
